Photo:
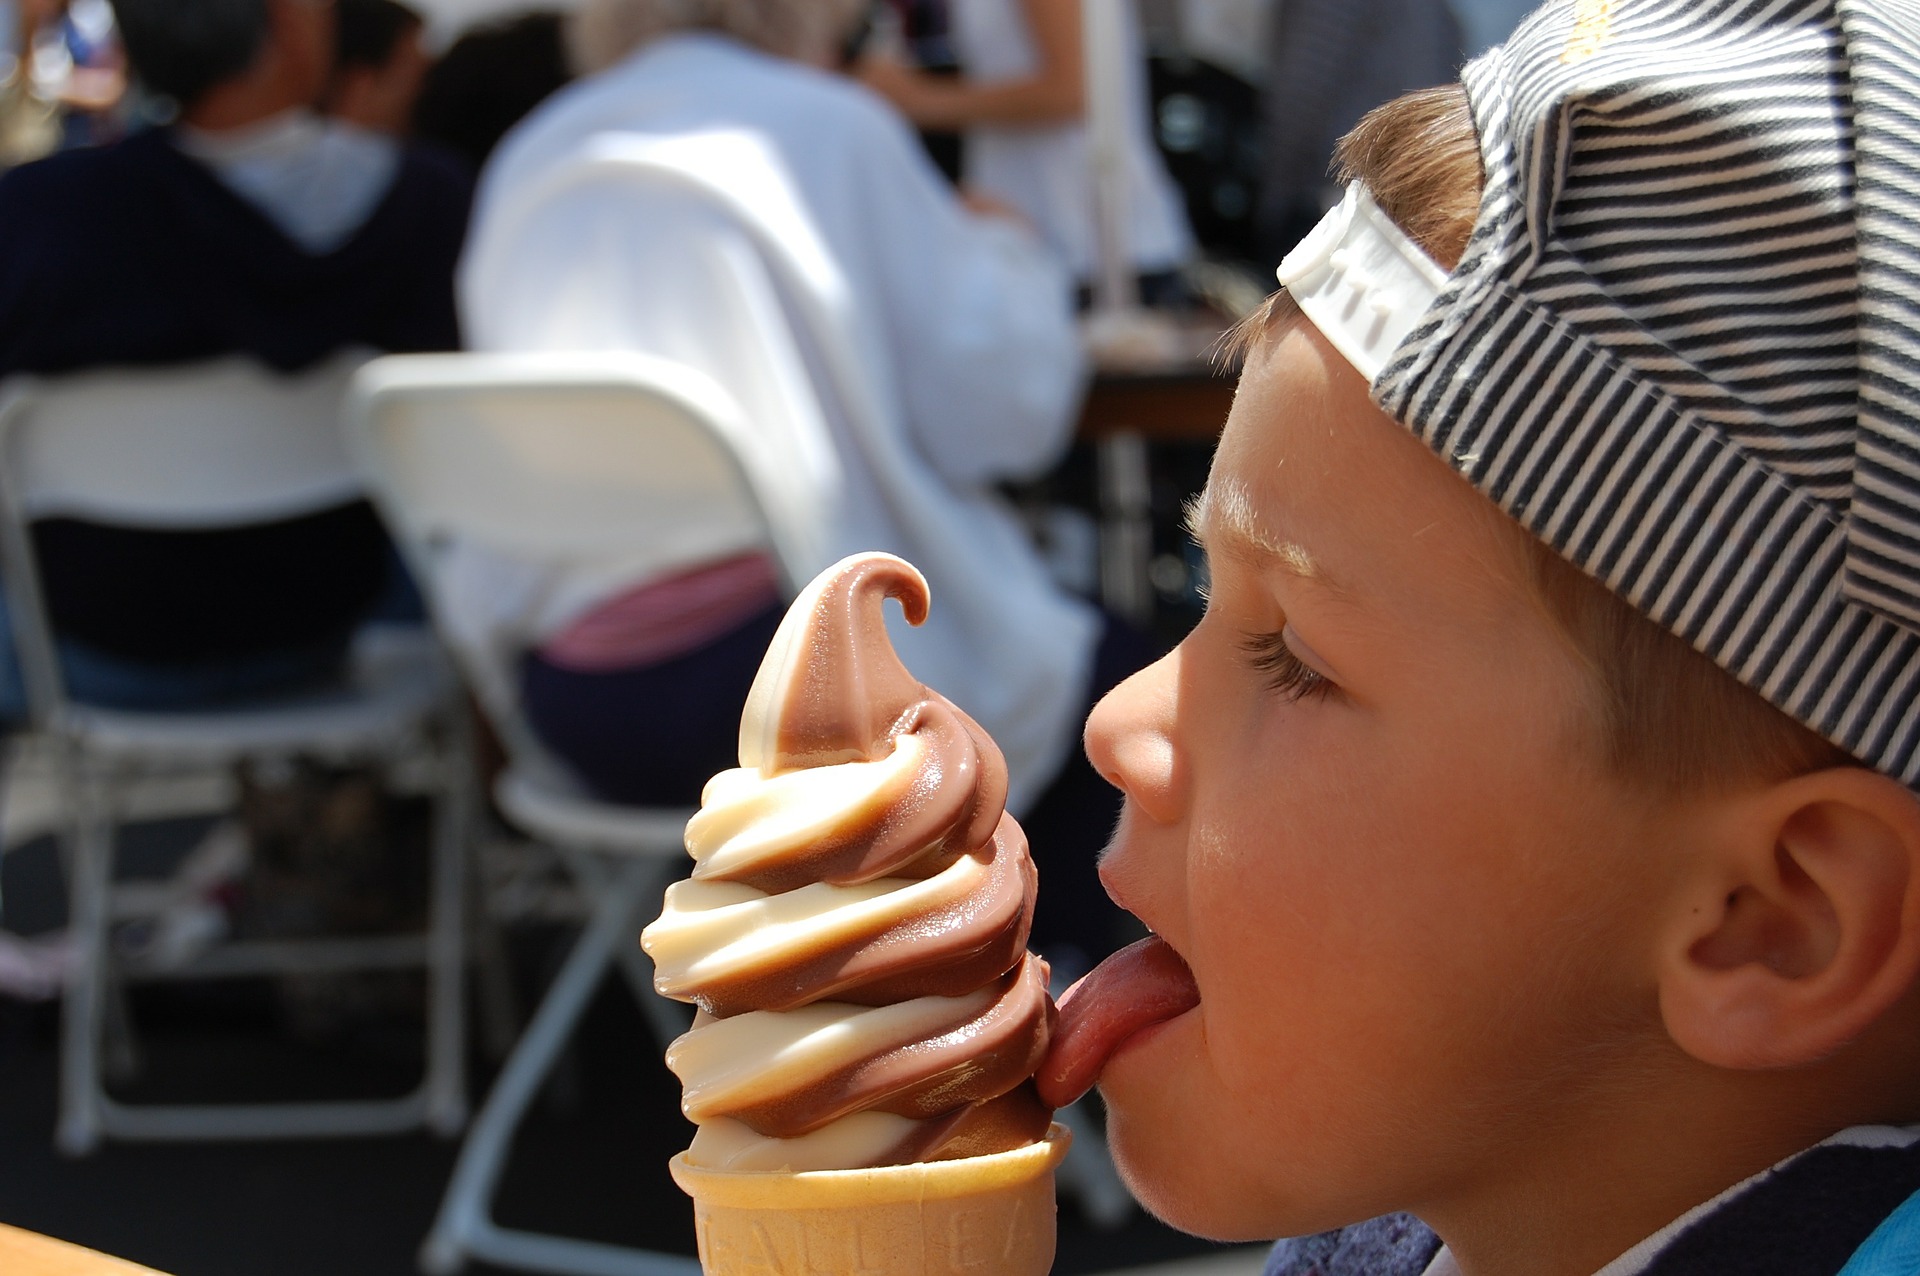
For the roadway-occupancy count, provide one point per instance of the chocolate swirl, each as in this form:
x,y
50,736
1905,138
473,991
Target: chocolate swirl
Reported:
x,y
855,927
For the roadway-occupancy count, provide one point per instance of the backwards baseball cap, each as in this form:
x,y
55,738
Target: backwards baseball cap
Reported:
x,y
1682,346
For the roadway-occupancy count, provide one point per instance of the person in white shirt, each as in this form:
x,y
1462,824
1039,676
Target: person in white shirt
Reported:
x,y
1022,104
900,352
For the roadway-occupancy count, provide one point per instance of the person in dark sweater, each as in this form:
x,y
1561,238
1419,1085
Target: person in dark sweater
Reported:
x,y
252,227
380,63
489,80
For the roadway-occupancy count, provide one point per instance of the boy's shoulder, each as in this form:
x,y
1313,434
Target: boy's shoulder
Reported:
x,y
1807,1216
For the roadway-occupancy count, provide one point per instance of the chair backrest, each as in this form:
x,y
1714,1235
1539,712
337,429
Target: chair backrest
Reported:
x,y
217,444
701,246
213,444
561,460
561,457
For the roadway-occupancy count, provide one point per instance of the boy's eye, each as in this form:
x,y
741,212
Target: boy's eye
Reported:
x,y
1290,677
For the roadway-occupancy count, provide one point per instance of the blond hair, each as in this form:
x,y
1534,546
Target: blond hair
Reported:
x,y
1664,714
605,31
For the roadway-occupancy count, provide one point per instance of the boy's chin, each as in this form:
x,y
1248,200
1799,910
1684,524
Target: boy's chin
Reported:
x,y
1196,1190
1184,1180
1199,1204
1205,1172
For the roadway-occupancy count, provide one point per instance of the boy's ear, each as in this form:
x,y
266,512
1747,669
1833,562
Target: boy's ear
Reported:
x,y
1799,925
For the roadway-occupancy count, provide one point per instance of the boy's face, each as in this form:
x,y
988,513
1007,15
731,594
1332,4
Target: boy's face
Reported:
x,y
1360,804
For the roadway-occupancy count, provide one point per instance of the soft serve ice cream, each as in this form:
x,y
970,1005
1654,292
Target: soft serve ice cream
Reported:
x,y
854,931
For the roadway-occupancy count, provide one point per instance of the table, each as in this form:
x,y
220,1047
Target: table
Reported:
x,y
1177,395
1187,405
27,1254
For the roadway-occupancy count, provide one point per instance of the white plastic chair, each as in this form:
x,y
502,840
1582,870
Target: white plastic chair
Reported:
x,y
212,445
571,460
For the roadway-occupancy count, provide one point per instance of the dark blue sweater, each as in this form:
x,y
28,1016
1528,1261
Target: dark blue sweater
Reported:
x,y
1803,1218
137,254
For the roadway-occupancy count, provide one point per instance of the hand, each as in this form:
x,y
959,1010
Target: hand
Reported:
x,y
892,79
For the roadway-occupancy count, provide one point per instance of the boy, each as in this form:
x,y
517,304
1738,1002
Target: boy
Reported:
x,y
1527,829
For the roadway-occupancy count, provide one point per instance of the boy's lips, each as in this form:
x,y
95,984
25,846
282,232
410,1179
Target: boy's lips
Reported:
x,y
1141,985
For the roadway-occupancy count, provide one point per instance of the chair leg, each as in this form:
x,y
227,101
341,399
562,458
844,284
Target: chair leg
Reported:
x,y
464,1226
446,1090
89,913
666,1018
120,1051
9,772
499,1007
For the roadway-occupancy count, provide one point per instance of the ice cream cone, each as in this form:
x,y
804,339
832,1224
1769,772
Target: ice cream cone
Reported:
x,y
978,1216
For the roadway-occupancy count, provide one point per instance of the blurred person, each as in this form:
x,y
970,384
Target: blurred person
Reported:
x,y
1230,34
924,27
380,62
961,327
488,81
87,70
921,33
29,121
1021,102
1329,63
62,77
250,227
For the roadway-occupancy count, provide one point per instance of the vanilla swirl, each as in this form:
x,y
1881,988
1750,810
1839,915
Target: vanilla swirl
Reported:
x,y
855,927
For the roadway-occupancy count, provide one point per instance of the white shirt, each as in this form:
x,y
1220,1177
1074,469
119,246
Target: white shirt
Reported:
x,y
1047,171
317,179
898,352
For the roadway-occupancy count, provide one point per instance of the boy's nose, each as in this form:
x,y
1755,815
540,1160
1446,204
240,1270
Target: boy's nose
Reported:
x,y
1129,739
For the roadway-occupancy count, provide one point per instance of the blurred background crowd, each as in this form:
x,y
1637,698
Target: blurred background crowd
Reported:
x,y
958,264
1245,96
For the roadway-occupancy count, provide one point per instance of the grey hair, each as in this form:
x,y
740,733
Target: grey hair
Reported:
x,y
605,31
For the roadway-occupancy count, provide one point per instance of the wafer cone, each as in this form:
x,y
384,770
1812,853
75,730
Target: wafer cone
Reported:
x,y
979,1216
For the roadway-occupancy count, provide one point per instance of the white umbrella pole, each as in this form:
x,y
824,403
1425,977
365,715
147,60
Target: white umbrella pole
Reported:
x,y
1115,287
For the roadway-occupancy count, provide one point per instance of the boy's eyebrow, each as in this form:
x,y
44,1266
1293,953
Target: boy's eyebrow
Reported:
x,y
1221,518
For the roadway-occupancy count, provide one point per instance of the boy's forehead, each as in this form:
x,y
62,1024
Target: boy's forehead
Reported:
x,y
1314,481
1289,420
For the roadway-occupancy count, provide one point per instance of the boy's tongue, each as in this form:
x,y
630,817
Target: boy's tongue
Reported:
x,y
1141,985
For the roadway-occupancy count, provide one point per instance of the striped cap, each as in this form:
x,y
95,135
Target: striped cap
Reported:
x,y
1683,344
